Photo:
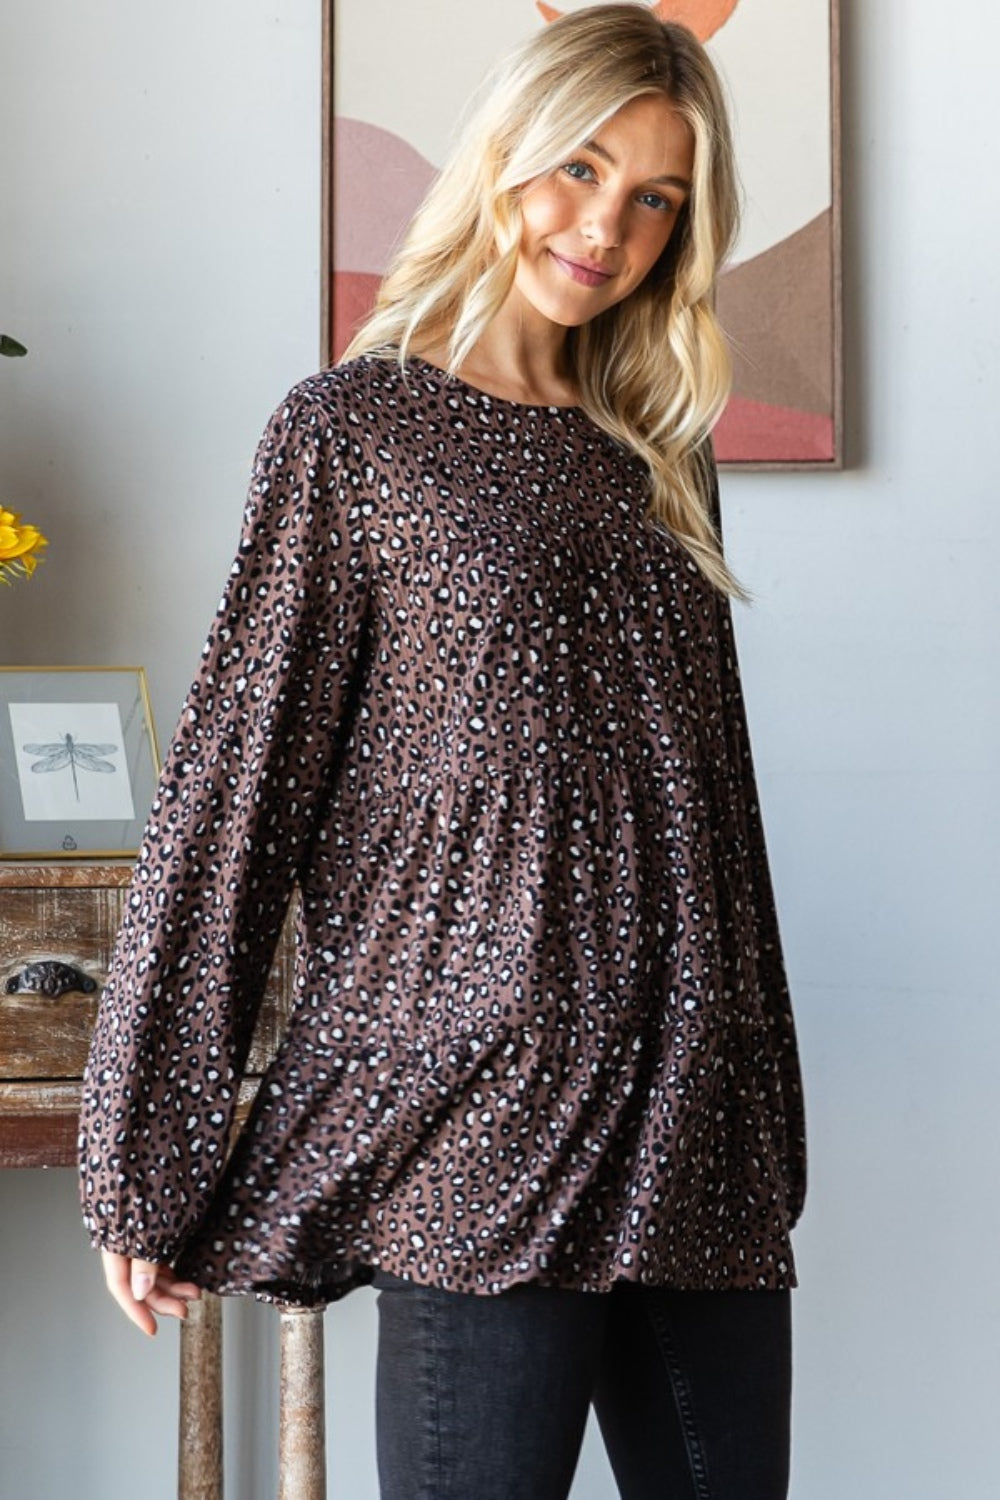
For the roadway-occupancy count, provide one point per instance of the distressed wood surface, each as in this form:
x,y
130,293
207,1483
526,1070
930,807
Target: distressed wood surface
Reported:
x,y
42,1037
302,1421
38,1121
199,1436
71,915
61,876
38,1124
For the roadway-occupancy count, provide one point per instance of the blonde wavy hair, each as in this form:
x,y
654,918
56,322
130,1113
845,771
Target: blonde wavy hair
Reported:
x,y
654,370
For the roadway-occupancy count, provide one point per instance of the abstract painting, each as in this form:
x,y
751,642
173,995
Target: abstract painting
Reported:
x,y
396,78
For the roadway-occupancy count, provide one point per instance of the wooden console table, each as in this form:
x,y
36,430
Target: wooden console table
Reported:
x,y
58,924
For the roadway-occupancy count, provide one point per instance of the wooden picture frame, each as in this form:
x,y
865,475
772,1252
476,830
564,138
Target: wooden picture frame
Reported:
x,y
78,762
780,302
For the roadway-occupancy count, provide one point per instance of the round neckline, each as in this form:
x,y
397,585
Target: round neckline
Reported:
x,y
447,379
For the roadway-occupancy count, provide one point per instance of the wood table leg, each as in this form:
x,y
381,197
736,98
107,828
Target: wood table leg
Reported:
x,y
302,1436
199,1468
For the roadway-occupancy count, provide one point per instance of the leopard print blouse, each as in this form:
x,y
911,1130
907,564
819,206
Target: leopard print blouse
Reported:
x,y
487,717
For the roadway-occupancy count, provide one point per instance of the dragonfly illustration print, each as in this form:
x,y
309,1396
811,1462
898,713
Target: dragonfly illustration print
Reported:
x,y
72,755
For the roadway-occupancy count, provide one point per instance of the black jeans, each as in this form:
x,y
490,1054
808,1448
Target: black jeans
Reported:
x,y
486,1397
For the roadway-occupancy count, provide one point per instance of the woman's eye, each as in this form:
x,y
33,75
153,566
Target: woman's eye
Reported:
x,y
654,200
578,169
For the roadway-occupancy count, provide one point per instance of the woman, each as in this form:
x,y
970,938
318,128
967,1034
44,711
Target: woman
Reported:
x,y
472,687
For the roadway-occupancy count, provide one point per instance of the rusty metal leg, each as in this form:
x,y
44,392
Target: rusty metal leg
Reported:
x,y
199,1462
302,1437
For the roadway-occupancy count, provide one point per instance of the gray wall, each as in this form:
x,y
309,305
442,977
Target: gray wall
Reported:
x,y
159,255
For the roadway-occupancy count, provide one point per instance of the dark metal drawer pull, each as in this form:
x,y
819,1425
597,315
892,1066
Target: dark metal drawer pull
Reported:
x,y
50,977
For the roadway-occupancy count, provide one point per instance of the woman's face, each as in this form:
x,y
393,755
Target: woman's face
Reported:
x,y
596,225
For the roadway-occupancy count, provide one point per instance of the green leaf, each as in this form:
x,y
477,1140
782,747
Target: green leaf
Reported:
x,y
10,346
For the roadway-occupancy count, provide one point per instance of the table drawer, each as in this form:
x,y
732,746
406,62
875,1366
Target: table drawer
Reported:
x,y
60,940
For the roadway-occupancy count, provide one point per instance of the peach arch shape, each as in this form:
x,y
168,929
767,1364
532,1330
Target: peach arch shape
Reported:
x,y
703,17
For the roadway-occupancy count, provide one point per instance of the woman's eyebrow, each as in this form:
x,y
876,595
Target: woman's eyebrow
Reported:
x,y
605,155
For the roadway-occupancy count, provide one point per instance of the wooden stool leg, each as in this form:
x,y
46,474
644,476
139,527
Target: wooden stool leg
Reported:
x,y
199,1475
302,1436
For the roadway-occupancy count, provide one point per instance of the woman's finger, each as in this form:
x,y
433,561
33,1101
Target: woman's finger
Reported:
x,y
118,1277
164,1305
166,1281
143,1276
144,1290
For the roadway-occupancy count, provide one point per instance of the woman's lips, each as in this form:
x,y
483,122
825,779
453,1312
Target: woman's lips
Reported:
x,y
585,275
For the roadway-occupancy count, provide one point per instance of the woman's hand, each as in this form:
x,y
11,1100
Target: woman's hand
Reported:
x,y
142,1289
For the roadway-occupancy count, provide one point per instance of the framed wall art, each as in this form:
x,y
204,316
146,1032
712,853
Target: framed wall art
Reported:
x,y
396,78
78,761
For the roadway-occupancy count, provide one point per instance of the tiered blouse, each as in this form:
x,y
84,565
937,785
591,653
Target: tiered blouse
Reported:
x,y
488,718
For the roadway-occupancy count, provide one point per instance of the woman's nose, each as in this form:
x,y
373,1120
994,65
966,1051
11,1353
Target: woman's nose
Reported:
x,y
604,222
